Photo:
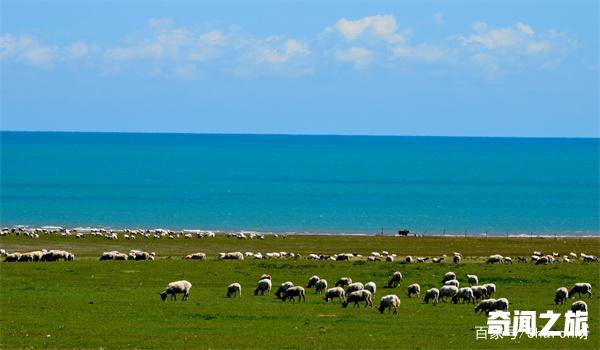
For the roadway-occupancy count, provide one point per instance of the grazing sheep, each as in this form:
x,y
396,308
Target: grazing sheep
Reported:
x,y
561,295
456,259
485,306
544,260
448,292
320,286
265,276
580,288
114,255
337,292
231,256
409,259
414,289
448,276
566,260
496,258
140,255
422,259
508,260
234,289
174,288
281,291
371,287
473,279
464,294
490,289
292,292
263,286
438,260
479,292
590,258
579,306
452,283
196,256
312,281
389,258
312,257
354,287
432,294
500,304
12,257
358,296
389,302
572,255
344,281
55,255
395,280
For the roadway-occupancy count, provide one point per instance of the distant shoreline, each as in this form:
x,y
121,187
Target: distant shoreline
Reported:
x,y
181,133
416,234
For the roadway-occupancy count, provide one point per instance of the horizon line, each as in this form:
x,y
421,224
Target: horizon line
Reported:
x,y
293,134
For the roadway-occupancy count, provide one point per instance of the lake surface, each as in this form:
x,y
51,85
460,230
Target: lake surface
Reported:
x,y
335,184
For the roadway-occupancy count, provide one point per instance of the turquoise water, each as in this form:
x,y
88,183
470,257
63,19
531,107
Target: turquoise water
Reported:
x,y
301,183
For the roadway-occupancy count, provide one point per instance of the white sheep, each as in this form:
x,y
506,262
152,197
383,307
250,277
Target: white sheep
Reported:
x,y
464,294
490,289
389,302
395,279
580,288
579,306
358,296
452,283
479,292
344,281
409,259
561,295
320,286
496,258
196,256
456,259
312,281
414,289
234,289
432,294
448,292
12,257
231,256
448,276
354,287
282,288
292,292
500,304
371,287
337,292
473,280
485,306
263,286
177,287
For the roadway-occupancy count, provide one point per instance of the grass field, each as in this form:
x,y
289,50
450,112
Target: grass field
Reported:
x,y
115,304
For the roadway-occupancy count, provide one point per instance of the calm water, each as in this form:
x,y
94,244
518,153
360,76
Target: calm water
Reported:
x,y
301,183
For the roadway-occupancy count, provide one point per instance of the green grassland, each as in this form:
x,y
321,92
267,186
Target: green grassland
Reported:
x,y
115,304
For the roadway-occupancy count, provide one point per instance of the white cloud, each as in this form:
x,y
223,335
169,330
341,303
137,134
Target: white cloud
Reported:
x,y
382,27
166,51
525,28
27,49
358,56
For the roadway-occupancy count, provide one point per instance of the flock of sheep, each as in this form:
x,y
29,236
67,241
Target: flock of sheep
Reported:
x,y
349,292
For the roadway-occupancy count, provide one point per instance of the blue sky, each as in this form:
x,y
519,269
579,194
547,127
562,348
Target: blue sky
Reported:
x,y
468,68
